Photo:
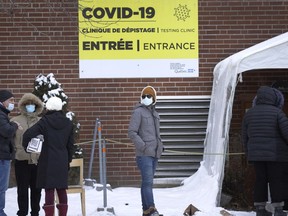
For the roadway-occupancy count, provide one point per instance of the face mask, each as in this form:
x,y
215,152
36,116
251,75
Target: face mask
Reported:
x,y
10,106
147,101
30,108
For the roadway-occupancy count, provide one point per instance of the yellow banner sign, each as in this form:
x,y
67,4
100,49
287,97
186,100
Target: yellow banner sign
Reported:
x,y
133,38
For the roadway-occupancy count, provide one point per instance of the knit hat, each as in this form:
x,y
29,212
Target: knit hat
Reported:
x,y
54,103
149,90
5,95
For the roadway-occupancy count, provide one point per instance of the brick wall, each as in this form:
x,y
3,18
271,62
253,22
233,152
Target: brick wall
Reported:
x,y
43,38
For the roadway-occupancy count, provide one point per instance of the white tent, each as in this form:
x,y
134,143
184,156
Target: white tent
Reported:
x,y
270,54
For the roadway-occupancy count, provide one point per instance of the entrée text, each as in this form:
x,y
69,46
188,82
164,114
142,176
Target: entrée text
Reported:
x,y
128,45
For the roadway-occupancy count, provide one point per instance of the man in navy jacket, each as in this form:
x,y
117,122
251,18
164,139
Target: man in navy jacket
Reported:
x,y
265,138
7,132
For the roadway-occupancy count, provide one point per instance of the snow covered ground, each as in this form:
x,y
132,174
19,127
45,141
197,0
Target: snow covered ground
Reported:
x,y
199,190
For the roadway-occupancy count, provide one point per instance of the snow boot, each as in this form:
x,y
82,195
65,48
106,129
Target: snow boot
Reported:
x,y
260,209
278,209
152,211
155,213
49,210
285,207
62,209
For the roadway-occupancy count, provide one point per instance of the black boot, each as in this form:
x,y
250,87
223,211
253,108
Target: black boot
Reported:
x,y
285,207
279,211
260,209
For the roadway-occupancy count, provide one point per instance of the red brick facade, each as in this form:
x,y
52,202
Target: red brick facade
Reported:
x,y
43,38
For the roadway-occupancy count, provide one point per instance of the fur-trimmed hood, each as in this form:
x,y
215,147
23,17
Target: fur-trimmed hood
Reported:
x,y
28,98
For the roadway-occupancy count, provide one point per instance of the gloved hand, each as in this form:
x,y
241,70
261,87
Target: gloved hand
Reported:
x,y
41,137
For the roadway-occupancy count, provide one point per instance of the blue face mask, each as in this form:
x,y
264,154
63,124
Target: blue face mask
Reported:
x,y
30,108
10,106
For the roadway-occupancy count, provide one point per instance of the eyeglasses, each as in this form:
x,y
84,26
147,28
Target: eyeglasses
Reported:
x,y
144,96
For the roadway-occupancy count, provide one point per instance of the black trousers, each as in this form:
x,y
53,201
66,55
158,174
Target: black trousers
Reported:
x,y
285,190
268,173
26,175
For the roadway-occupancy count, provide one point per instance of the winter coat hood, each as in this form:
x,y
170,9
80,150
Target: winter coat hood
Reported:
x,y
269,96
30,98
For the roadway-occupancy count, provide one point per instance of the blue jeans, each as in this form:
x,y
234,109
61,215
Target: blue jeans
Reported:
x,y
147,166
4,181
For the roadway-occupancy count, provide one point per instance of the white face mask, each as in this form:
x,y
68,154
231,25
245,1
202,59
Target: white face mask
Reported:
x,y
10,106
147,101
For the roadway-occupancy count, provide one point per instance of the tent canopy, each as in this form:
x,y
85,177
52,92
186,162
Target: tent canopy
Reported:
x,y
273,54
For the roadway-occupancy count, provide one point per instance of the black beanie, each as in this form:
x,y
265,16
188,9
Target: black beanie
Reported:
x,y
5,95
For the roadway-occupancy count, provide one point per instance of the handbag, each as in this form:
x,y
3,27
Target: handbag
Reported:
x,y
35,145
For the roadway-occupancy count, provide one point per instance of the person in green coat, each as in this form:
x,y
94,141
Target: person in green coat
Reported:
x,y
30,107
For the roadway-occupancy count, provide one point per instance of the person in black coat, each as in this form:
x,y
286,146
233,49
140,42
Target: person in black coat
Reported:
x,y
265,139
56,154
7,131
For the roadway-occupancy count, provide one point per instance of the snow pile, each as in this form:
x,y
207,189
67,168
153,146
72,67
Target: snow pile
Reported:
x,y
199,190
